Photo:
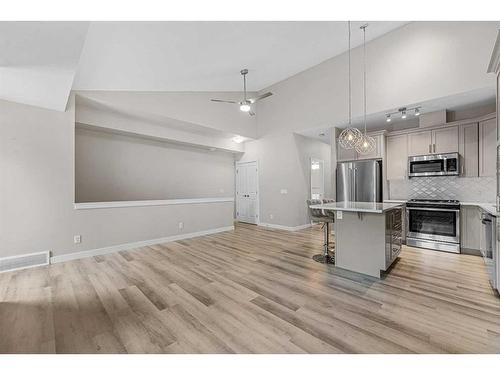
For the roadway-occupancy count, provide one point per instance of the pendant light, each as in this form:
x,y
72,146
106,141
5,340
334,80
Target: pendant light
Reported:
x,y
349,137
366,143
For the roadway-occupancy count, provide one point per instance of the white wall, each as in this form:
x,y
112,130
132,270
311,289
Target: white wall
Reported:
x,y
37,193
111,167
284,163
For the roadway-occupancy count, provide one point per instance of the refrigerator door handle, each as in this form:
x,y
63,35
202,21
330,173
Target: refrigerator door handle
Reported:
x,y
355,195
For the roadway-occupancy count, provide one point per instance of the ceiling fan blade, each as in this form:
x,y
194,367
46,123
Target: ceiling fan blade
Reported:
x,y
223,101
260,97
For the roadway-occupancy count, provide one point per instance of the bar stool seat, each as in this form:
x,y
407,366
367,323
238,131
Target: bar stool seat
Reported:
x,y
318,215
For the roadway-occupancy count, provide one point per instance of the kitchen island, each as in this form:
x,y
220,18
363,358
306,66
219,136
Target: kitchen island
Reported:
x,y
368,235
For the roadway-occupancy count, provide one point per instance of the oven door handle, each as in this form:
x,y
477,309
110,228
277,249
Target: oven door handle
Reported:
x,y
432,209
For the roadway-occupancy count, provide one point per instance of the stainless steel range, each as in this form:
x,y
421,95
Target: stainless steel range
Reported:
x,y
433,224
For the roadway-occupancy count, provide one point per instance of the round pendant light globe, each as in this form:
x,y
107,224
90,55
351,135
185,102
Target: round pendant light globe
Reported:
x,y
366,144
349,138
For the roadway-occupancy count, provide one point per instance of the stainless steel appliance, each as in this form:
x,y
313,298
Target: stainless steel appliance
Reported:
x,y
488,251
359,181
393,235
434,165
433,224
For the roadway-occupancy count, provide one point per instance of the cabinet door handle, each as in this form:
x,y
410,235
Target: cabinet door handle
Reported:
x,y
434,147
430,148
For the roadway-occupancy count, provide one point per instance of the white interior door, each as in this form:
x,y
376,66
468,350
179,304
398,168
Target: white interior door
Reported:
x,y
247,186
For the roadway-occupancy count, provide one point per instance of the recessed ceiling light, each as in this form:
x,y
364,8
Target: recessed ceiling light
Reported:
x,y
238,139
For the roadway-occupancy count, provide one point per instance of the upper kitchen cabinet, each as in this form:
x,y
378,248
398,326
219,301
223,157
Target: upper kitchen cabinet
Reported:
x,y
345,154
445,140
440,141
420,143
494,67
397,157
468,148
487,147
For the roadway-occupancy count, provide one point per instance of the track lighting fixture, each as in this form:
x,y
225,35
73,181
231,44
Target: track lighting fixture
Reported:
x,y
403,112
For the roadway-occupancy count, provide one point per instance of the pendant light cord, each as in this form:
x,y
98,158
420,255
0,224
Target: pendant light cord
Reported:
x,y
364,72
349,54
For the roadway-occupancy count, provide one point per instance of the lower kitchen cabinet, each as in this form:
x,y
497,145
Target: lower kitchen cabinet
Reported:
x,y
470,228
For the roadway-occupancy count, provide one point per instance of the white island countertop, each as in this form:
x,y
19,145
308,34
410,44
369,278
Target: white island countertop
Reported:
x,y
370,207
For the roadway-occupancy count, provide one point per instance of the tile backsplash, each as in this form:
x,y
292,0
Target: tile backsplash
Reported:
x,y
465,189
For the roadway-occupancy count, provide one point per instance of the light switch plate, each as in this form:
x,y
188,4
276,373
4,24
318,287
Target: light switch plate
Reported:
x,y
339,215
77,239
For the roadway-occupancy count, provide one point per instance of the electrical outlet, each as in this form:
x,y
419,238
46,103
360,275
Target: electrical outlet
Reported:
x,y
271,216
181,225
339,215
77,239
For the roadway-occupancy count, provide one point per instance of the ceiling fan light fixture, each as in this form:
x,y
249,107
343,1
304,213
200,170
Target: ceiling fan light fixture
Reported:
x,y
245,107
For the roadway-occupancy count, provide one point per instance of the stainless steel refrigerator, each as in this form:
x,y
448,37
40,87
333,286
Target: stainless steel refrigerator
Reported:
x,y
359,181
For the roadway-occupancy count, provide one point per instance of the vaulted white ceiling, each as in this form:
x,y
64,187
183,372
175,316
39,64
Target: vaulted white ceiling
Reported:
x,y
40,62
207,56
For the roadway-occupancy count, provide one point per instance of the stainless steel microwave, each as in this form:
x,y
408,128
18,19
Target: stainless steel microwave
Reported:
x,y
434,165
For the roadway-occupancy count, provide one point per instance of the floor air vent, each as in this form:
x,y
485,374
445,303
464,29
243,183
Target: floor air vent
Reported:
x,y
18,262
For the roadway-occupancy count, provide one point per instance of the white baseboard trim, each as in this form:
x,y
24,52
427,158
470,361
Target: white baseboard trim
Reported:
x,y
284,227
133,245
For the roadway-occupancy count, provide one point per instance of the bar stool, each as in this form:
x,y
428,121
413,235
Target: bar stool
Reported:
x,y
317,215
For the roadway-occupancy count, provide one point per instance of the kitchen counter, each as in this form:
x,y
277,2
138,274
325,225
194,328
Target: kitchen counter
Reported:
x,y
488,207
368,207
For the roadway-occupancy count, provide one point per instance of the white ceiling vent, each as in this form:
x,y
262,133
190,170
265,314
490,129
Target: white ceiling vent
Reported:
x,y
18,262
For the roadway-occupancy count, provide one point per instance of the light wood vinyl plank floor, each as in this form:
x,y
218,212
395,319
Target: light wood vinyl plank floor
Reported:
x,y
253,290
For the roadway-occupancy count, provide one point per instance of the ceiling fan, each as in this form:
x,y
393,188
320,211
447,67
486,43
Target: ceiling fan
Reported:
x,y
246,103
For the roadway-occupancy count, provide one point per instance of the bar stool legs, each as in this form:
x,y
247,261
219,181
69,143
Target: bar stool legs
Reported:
x,y
327,257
